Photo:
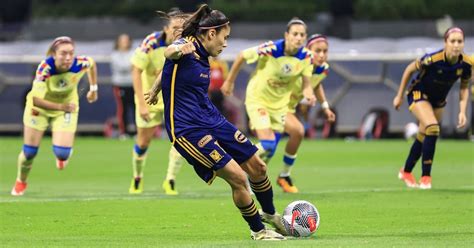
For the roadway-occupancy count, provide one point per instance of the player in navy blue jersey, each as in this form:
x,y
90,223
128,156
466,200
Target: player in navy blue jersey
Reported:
x,y
437,73
212,145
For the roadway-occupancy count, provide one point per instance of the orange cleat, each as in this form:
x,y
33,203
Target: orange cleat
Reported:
x,y
287,185
408,178
425,182
19,188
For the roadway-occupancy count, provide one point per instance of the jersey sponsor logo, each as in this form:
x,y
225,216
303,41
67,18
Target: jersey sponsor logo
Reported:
x,y
458,72
202,142
203,75
216,156
440,71
240,137
34,112
262,112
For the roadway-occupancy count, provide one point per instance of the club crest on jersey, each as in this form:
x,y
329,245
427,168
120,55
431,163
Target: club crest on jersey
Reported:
x,y
458,72
216,156
62,83
286,69
240,137
202,142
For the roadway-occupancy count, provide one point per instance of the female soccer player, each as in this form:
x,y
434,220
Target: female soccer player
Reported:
x,y
437,72
212,145
147,63
280,65
318,44
53,100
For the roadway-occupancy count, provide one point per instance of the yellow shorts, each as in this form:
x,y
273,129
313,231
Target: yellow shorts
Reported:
x,y
59,121
264,118
155,116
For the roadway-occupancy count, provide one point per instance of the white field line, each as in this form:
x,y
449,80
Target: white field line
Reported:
x,y
155,196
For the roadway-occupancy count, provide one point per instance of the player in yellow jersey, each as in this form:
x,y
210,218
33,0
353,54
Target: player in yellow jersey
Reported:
x,y
280,65
54,101
147,63
318,44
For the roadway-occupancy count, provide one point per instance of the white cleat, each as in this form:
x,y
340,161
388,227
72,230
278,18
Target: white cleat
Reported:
x,y
266,234
274,220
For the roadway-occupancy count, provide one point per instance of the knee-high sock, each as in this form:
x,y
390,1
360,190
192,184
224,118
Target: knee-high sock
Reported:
x,y
138,160
415,153
288,161
429,146
264,193
174,164
250,214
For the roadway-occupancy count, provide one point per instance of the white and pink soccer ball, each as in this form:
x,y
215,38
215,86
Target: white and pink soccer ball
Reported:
x,y
301,219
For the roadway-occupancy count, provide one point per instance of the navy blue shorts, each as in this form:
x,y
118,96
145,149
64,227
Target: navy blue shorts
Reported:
x,y
208,150
416,95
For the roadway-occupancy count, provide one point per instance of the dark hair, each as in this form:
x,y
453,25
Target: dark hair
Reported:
x,y
452,30
116,45
204,19
315,38
294,21
58,41
174,12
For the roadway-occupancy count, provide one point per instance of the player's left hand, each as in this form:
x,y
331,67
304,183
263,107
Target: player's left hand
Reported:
x,y
330,116
309,96
461,120
151,98
92,96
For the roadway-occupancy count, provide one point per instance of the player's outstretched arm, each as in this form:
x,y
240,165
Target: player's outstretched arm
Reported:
x,y
228,85
321,96
151,97
92,95
175,51
308,91
409,70
48,105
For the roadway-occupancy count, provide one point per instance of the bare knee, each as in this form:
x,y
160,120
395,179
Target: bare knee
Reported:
x,y
238,181
257,168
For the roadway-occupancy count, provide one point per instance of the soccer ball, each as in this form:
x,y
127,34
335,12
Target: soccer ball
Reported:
x,y
301,219
411,129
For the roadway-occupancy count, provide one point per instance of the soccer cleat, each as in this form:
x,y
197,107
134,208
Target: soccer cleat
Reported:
x,y
61,164
274,220
287,185
266,234
408,178
136,187
169,187
425,182
19,188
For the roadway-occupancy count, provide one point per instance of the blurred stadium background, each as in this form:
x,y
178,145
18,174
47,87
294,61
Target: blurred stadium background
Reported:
x,y
371,42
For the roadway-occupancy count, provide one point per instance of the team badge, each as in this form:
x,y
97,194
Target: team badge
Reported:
x,y
458,72
62,83
286,68
202,142
216,156
240,137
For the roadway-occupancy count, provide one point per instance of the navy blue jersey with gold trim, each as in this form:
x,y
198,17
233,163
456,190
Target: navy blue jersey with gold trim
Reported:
x,y
436,75
185,84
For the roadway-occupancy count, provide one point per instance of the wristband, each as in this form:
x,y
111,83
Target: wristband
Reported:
x,y
93,87
325,105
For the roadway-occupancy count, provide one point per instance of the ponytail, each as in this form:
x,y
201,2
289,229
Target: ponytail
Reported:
x,y
204,19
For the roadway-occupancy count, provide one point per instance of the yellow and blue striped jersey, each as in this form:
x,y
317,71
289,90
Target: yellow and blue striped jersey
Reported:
x,y
319,74
59,87
272,81
149,57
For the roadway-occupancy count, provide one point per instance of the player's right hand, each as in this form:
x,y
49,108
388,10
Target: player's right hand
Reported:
x,y
227,88
144,113
68,107
397,102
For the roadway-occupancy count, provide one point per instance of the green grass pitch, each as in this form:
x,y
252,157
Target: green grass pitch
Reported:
x,y
353,184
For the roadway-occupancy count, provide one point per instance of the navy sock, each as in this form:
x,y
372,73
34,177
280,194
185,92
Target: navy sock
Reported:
x,y
415,153
250,214
264,193
429,146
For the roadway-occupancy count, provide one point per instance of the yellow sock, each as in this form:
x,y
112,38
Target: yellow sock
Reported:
x,y
174,164
24,167
138,163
